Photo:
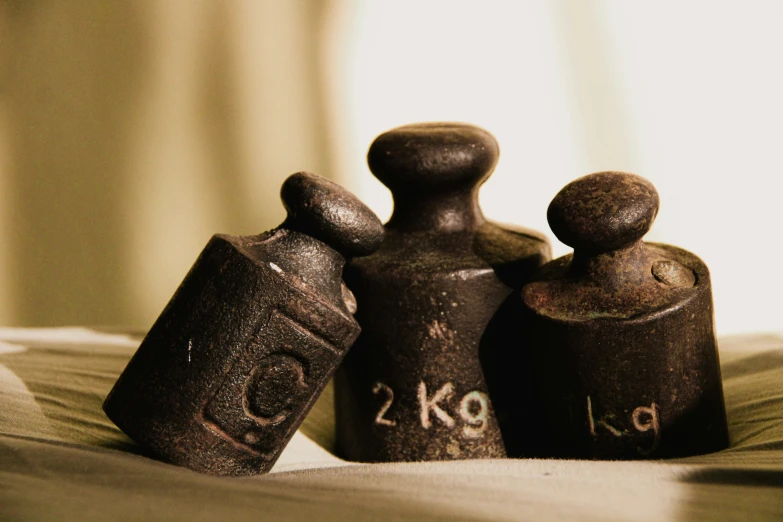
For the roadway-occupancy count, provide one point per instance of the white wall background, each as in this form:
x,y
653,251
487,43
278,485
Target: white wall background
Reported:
x,y
130,131
686,93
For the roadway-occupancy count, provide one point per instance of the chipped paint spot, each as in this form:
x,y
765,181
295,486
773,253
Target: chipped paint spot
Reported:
x,y
438,330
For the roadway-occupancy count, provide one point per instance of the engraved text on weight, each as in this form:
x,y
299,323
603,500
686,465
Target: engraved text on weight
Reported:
x,y
473,408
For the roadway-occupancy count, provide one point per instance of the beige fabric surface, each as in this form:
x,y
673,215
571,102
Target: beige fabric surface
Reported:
x,y
61,458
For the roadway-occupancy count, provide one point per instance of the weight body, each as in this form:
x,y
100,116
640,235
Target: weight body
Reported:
x,y
643,387
412,388
232,365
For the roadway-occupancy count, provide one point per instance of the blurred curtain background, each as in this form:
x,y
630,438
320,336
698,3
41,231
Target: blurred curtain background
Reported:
x,y
131,131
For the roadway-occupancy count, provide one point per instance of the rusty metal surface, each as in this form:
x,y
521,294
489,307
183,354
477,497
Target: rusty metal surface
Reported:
x,y
620,335
251,337
433,303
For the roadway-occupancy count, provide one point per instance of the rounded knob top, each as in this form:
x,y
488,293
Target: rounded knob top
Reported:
x,y
328,212
433,157
604,211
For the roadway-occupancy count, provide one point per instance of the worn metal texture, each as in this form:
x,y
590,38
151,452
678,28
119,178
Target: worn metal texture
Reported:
x,y
620,335
251,337
433,304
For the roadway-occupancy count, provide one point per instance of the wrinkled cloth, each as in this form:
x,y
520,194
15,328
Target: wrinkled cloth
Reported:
x,y
61,458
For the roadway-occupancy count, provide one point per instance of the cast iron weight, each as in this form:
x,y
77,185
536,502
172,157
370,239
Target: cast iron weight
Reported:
x,y
412,388
621,332
251,337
